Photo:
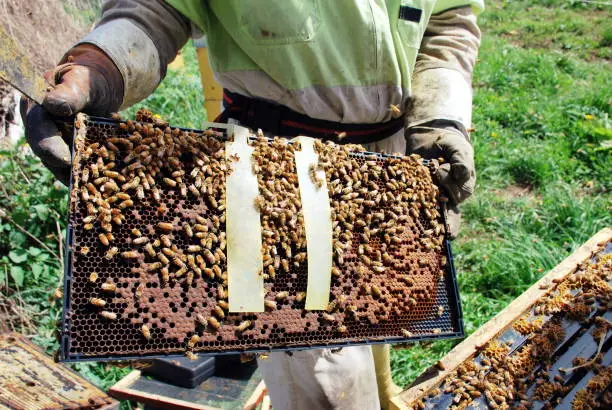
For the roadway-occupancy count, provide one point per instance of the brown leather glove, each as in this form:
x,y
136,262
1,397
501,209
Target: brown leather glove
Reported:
x,y
86,80
440,139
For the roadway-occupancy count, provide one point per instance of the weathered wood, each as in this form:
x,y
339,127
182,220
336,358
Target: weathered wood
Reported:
x,y
137,388
469,347
31,380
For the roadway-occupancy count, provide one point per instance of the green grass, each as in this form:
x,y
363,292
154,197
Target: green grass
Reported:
x,y
542,143
542,146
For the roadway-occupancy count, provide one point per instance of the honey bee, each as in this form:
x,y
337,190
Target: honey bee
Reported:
x,y
109,287
341,329
282,295
139,290
176,260
213,323
194,191
109,186
376,292
168,252
57,294
111,252
270,304
195,339
165,226
271,272
94,170
217,271
189,278
165,240
210,258
223,304
327,317
149,248
130,255
201,320
221,292
85,175
300,297
84,194
219,312
194,248
170,182
191,356
440,310
140,192
165,275
97,302
183,190
406,333
122,196
131,184
154,266
335,271
161,209
93,277
100,180
244,325
108,315
140,241
103,239
180,272
84,250
188,230
163,259
209,272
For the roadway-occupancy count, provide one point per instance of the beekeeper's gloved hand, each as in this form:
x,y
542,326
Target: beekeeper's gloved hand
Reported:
x,y
441,139
85,81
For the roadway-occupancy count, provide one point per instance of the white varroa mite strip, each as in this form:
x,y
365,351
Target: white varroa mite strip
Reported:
x,y
317,223
243,228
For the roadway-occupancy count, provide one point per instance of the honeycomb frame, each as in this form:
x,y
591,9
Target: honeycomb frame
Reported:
x,y
85,336
555,353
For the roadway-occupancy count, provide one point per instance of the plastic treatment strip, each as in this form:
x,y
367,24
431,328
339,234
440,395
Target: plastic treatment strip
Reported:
x,y
317,223
243,229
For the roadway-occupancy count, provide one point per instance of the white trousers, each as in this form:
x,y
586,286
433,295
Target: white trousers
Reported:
x,y
318,379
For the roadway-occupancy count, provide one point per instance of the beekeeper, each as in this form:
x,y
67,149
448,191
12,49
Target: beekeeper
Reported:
x,y
393,75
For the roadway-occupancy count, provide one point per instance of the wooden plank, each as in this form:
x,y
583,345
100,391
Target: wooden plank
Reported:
x,y
256,397
30,379
468,348
122,390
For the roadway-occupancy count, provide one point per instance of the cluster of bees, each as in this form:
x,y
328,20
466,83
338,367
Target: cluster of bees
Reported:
x,y
280,207
376,206
500,378
150,163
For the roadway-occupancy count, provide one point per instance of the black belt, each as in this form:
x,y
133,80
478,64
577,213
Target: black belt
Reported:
x,y
280,120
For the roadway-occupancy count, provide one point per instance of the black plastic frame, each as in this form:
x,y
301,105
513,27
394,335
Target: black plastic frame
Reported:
x,y
64,351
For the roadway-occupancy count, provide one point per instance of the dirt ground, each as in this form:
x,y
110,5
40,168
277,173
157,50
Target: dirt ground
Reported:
x,y
46,29
43,30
